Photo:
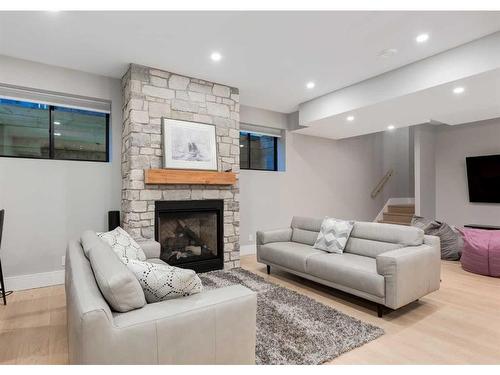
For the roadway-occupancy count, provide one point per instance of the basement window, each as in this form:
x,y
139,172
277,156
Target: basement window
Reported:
x,y
38,130
258,151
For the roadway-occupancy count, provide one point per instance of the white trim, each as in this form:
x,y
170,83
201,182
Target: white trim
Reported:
x,y
260,130
261,133
55,99
35,280
248,250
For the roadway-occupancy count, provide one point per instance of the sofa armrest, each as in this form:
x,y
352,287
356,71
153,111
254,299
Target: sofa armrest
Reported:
x,y
277,235
410,273
151,248
212,327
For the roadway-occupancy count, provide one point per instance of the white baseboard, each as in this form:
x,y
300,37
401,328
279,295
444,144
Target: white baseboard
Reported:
x,y
248,250
42,279
35,280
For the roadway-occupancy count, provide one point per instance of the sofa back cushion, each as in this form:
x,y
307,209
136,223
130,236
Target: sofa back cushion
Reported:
x,y
371,239
305,230
89,240
118,285
366,239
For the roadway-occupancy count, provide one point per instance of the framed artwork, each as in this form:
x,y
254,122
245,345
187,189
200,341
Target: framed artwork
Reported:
x,y
189,145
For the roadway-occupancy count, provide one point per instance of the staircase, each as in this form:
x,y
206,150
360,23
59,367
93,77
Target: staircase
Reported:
x,y
400,214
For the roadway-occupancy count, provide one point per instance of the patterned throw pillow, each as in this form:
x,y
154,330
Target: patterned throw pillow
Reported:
x,y
333,235
123,244
162,282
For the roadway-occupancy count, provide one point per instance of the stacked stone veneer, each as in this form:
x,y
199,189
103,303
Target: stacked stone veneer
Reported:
x,y
150,94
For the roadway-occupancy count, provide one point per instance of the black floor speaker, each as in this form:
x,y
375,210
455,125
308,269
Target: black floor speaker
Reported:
x,y
113,219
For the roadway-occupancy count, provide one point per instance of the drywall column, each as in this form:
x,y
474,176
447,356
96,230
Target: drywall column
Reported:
x,y
425,170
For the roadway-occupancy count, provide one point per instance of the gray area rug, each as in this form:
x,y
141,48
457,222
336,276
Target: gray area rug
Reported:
x,y
293,329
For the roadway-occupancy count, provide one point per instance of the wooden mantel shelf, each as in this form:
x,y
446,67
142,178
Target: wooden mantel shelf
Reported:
x,y
188,177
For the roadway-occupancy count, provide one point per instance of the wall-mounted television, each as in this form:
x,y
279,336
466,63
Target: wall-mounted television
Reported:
x,y
483,176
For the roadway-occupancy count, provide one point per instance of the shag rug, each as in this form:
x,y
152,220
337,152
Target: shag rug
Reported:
x,y
293,329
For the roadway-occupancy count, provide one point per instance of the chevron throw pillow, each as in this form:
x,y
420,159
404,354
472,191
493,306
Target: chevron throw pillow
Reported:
x,y
333,235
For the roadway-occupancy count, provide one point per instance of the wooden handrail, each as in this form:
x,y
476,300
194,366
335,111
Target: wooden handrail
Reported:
x,y
382,183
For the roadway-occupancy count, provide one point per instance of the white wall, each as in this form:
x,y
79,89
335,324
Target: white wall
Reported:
x,y
263,117
396,156
425,170
48,202
453,144
322,177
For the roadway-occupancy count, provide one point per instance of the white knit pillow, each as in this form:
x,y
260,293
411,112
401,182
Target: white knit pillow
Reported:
x,y
161,281
123,244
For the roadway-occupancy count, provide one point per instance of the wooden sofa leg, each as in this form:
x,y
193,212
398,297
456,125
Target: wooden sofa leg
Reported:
x,y
268,269
380,310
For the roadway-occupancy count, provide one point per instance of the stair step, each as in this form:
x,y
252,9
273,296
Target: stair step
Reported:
x,y
393,222
398,217
401,208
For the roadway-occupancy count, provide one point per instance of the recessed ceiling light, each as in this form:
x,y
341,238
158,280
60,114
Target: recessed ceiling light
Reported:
x,y
310,85
391,127
57,134
216,56
57,123
350,118
458,90
422,38
388,52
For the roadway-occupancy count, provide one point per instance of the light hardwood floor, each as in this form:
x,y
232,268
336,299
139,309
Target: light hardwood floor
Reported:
x,y
459,324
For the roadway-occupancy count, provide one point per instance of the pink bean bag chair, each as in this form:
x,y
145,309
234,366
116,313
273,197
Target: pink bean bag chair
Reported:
x,y
481,253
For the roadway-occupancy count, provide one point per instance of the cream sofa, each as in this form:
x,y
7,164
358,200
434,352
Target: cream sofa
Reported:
x,y
213,327
391,265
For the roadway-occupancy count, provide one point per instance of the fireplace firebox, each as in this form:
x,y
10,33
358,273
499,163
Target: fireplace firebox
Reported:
x,y
191,233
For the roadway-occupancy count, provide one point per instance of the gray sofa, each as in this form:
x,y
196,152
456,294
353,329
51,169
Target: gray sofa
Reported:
x,y
212,327
391,265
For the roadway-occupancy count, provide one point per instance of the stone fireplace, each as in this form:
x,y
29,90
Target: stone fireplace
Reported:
x,y
191,233
148,96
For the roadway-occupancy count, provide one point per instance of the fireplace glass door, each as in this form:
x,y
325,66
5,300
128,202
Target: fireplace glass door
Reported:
x,y
187,237
190,233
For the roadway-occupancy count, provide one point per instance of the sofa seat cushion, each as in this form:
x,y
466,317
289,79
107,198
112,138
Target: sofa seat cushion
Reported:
x,y
291,255
350,270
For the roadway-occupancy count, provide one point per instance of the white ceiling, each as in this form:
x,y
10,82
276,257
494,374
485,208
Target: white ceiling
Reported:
x,y
269,56
438,104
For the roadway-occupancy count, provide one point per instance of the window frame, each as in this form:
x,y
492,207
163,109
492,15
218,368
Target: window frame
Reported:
x,y
275,145
51,128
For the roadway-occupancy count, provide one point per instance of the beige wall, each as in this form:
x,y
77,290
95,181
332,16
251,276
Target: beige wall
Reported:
x,y
48,202
453,144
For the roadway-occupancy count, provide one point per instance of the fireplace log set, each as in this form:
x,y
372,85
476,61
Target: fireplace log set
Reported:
x,y
184,243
